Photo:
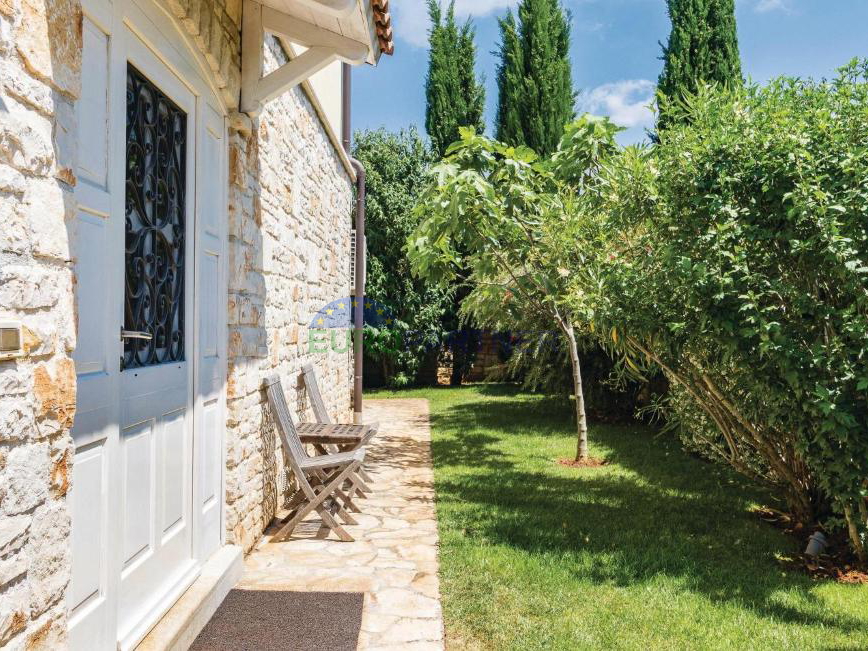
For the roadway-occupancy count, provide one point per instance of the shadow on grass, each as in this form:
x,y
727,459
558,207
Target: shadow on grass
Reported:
x,y
653,511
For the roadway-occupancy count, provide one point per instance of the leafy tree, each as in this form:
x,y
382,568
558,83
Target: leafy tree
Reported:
x,y
501,212
702,48
734,256
455,97
536,98
396,164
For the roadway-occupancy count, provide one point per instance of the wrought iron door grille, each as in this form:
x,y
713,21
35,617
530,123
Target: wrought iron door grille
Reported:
x,y
156,178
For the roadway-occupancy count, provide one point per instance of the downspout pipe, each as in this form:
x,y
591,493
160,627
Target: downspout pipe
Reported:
x,y
359,291
359,317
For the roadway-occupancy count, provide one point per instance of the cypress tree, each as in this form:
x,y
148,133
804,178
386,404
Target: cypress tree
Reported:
x,y
455,97
536,97
510,75
702,48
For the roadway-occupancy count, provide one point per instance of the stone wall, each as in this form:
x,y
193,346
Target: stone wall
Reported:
x,y
215,26
487,362
40,59
289,255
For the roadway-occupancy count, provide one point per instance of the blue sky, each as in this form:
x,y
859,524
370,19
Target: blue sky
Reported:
x,y
615,53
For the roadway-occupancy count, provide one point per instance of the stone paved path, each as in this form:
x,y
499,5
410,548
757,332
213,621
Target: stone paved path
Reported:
x,y
394,557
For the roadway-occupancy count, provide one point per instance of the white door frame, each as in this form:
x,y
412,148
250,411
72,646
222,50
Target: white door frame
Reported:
x,y
96,431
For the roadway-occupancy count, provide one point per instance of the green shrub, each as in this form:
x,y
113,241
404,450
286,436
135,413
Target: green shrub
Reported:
x,y
734,255
396,164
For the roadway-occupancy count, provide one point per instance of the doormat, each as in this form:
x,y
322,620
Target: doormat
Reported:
x,y
260,620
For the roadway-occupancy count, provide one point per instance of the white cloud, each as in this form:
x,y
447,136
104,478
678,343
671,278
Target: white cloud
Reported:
x,y
627,102
411,16
412,24
764,6
589,27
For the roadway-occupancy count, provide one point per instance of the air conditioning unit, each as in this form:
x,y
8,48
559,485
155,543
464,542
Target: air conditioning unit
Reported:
x,y
353,259
353,262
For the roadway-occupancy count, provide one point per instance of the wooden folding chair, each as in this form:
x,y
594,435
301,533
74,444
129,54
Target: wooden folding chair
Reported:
x,y
355,436
320,479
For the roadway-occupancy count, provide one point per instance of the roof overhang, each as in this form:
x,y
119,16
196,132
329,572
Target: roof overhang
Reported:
x,y
332,30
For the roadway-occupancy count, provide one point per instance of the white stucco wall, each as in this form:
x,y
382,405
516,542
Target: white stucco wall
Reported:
x,y
327,91
326,85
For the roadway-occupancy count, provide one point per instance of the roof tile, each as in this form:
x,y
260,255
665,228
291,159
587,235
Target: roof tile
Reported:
x,y
383,20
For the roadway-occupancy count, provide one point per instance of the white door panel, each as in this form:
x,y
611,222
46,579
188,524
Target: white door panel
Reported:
x,y
147,478
137,453
89,475
91,598
91,603
211,352
155,384
93,236
93,107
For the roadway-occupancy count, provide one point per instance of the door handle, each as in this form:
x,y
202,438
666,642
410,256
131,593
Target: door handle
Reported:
x,y
135,334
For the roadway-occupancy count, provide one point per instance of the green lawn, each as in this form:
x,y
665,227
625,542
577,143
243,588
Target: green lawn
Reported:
x,y
656,550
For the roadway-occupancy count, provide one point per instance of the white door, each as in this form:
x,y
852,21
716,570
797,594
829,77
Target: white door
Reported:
x,y
156,424
211,336
148,247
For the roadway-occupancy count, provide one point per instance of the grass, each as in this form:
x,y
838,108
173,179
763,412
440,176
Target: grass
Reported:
x,y
655,550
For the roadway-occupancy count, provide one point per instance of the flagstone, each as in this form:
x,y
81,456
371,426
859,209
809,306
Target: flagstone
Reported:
x,y
412,630
398,535
394,563
405,603
393,558
366,520
418,552
397,576
408,646
373,625
427,584
428,567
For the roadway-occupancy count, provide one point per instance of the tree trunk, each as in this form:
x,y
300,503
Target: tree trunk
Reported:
x,y
855,538
581,417
863,513
459,361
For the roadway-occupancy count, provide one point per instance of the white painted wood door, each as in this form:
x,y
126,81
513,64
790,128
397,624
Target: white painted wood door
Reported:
x,y
156,423
92,594
211,334
146,500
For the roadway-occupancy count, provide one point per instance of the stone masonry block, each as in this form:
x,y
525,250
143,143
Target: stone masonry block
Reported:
x,y
49,41
25,482
49,556
26,141
27,287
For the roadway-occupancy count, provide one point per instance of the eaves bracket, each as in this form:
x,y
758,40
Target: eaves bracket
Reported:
x,y
323,48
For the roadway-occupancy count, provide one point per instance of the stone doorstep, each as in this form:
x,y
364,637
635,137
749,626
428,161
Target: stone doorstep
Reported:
x,y
185,620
